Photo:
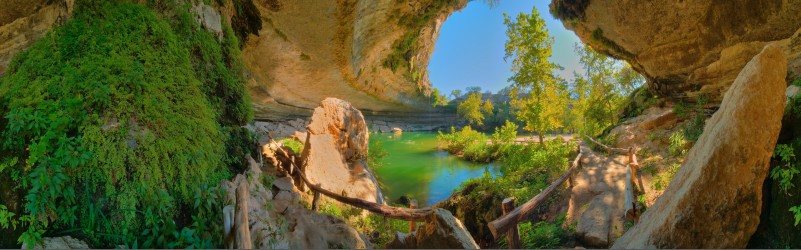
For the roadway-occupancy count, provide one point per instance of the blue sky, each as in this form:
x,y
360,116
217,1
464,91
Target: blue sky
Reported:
x,y
469,50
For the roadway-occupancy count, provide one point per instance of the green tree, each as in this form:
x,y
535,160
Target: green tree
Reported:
x,y
600,92
471,109
487,108
529,46
437,99
456,93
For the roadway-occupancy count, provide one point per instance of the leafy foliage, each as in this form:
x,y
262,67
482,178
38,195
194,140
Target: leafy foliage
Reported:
x,y
529,45
115,107
600,93
473,110
788,170
543,234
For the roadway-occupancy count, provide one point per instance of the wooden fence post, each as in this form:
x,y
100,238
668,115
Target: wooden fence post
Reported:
x,y
241,223
513,235
316,201
412,224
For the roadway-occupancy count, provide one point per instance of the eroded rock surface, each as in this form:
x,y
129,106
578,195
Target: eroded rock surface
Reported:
x,y
685,48
335,152
714,201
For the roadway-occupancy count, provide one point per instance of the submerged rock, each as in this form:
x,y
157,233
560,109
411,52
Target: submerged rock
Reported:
x,y
714,201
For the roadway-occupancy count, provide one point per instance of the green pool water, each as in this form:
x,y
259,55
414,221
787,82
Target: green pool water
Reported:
x,y
415,168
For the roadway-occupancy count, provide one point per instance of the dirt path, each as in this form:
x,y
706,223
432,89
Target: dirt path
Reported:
x,y
596,200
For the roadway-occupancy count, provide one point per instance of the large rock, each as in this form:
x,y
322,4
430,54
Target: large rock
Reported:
x,y
441,230
22,22
335,152
685,48
714,201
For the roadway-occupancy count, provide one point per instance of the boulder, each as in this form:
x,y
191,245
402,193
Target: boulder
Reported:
x,y
65,242
715,199
441,230
335,152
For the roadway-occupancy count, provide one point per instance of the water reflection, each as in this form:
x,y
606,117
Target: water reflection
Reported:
x,y
414,167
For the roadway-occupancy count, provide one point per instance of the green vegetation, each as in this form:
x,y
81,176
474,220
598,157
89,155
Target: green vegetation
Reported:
x,y
788,168
543,234
529,45
295,145
662,180
525,168
437,99
111,120
381,229
677,146
376,153
599,95
474,110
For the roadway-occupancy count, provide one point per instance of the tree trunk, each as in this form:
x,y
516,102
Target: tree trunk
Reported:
x,y
541,140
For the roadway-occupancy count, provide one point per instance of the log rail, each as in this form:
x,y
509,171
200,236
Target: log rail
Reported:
x,y
510,220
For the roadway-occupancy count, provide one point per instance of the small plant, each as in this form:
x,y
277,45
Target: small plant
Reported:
x,y
787,171
677,146
797,214
681,110
654,136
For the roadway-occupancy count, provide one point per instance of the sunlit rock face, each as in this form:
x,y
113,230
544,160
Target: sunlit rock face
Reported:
x,y
715,199
22,22
685,48
308,50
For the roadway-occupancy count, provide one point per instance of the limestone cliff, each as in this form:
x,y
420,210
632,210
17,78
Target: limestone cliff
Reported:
x,y
372,53
685,48
308,50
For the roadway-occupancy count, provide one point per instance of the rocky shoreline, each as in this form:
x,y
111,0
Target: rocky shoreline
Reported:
x,y
381,124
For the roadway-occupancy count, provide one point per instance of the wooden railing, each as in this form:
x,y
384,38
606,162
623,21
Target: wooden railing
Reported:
x,y
511,217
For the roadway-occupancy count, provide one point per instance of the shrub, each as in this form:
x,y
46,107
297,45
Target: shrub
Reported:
x,y
376,153
677,146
